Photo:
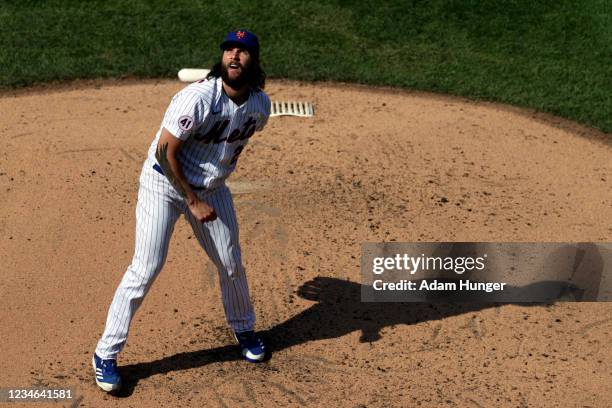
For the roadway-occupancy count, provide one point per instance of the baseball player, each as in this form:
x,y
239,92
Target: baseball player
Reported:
x,y
202,134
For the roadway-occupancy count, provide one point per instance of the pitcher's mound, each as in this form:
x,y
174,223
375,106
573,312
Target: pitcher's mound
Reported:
x,y
371,166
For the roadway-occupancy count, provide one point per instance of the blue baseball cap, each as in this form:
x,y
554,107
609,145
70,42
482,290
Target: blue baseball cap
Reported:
x,y
242,38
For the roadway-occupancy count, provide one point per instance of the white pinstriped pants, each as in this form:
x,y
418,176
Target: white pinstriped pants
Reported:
x,y
158,209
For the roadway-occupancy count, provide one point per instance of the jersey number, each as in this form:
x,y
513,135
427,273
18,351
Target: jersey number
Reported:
x,y
236,154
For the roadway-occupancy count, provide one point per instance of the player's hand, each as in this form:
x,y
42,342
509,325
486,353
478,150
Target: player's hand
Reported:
x,y
202,211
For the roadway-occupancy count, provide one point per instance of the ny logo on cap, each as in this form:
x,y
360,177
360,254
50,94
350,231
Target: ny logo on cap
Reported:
x,y
240,34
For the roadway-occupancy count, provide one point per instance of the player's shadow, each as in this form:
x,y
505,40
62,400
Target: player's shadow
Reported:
x,y
339,311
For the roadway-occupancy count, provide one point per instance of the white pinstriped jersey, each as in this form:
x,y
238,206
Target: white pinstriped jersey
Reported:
x,y
214,130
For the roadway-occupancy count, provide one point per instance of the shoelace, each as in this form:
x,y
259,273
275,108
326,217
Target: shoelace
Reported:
x,y
250,340
109,365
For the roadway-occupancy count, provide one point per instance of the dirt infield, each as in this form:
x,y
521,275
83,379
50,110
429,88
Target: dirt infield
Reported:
x,y
371,166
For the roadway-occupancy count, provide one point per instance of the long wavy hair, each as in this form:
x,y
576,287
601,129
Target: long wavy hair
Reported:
x,y
256,77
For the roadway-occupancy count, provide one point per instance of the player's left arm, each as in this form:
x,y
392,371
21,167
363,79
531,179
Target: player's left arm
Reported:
x,y
267,108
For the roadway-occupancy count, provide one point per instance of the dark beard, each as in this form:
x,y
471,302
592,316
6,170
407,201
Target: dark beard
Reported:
x,y
238,82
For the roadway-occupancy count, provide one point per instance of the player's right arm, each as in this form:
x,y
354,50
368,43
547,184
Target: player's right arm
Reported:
x,y
168,147
184,114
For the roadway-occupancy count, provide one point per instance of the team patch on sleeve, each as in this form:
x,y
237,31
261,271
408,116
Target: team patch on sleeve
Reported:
x,y
185,122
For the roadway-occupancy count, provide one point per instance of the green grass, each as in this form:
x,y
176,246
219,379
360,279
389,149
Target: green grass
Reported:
x,y
554,56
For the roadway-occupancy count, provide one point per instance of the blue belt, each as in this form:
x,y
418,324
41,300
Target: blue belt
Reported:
x,y
160,171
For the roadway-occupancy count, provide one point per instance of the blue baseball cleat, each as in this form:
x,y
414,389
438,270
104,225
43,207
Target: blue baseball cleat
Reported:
x,y
253,348
107,375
